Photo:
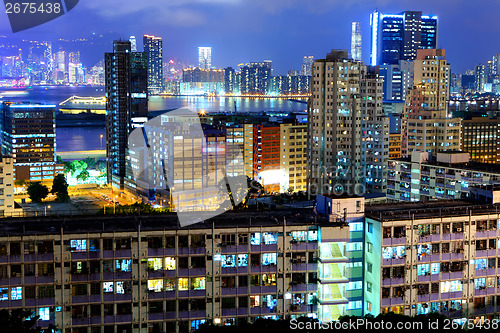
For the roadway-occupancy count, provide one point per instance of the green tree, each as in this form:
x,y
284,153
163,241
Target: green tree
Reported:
x,y
60,188
79,166
37,192
68,167
83,176
91,162
20,182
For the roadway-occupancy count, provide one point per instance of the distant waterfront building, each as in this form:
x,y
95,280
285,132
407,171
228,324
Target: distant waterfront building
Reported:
x,y
230,83
126,108
397,37
204,57
133,44
29,135
348,132
290,85
153,48
256,78
202,81
356,41
307,63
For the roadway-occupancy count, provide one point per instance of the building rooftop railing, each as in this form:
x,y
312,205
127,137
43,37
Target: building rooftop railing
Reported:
x,y
432,209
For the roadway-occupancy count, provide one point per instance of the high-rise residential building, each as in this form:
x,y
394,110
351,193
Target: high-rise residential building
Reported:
x,y
397,37
307,65
347,131
204,57
153,47
133,43
290,85
356,41
29,135
126,107
426,124
230,86
256,78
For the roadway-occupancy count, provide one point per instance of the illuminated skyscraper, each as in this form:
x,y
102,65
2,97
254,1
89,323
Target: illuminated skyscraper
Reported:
x,y
204,57
133,44
153,47
356,41
398,37
126,107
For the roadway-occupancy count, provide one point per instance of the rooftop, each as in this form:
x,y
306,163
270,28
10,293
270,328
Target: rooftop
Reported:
x,y
432,209
470,166
167,221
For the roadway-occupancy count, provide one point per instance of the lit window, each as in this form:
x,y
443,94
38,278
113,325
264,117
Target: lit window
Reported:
x,y
155,285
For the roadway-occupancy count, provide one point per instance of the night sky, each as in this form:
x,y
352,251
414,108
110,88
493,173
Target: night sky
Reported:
x,y
280,30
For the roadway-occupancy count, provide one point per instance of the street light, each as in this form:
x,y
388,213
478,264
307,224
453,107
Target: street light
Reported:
x,y
46,209
101,141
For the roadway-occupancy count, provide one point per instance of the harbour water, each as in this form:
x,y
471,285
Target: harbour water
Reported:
x,y
89,138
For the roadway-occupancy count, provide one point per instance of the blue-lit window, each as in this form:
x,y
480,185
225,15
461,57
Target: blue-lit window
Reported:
x,y
312,235
195,324
435,268
228,260
268,259
124,265
255,238
299,236
16,293
270,301
78,245
4,294
44,313
480,283
242,260
480,264
423,269
270,238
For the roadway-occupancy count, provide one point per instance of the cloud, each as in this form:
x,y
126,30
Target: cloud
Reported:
x,y
114,8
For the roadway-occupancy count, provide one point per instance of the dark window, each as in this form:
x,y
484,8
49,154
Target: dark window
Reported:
x,y
155,242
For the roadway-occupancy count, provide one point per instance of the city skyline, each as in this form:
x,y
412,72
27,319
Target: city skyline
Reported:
x,y
275,28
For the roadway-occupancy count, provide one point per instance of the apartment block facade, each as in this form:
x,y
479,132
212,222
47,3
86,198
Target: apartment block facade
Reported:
x,y
147,274
446,176
440,257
